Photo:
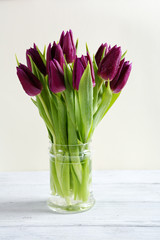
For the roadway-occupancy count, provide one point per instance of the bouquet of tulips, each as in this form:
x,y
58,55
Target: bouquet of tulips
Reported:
x,y
72,95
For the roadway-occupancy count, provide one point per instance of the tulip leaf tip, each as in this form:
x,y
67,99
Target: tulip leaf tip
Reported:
x,y
17,60
123,55
34,102
87,49
77,44
44,51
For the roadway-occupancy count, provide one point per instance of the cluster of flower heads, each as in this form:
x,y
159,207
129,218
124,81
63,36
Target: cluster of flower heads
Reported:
x,y
110,66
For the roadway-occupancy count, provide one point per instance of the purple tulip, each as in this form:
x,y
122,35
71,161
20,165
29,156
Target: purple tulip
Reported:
x,y
55,52
121,77
115,80
109,65
56,77
80,65
33,52
30,83
61,40
68,46
78,70
99,53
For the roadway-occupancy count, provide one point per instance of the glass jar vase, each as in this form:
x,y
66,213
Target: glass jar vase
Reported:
x,y
70,178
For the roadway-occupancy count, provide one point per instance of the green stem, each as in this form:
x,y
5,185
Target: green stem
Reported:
x,y
85,180
100,85
45,108
53,179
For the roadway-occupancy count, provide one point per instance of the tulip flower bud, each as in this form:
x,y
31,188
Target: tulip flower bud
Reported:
x,y
33,52
109,65
68,46
55,52
121,77
56,77
78,70
80,65
30,83
115,79
98,56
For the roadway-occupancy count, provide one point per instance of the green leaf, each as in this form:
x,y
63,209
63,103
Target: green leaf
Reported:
x,y
68,79
103,54
45,107
54,116
85,94
43,114
50,135
72,134
78,117
77,45
35,103
43,101
87,49
95,64
97,87
17,60
68,93
41,55
62,121
36,71
123,55
45,93
114,98
106,99
44,51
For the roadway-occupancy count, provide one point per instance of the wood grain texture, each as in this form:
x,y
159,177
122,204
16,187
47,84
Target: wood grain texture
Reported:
x,y
127,207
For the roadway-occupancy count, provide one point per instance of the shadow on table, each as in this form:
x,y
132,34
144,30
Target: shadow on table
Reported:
x,y
25,206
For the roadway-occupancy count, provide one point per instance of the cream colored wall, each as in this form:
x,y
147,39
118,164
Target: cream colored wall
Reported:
x,y
129,136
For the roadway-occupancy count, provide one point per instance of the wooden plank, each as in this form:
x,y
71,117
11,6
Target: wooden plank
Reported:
x,y
80,232
36,213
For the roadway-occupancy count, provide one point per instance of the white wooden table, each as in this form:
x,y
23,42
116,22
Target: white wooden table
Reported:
x,y
127,208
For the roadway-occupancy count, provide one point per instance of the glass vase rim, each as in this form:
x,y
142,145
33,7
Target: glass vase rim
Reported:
x,y
71,145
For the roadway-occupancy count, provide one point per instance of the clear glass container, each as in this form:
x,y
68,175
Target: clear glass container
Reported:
x,y
70,178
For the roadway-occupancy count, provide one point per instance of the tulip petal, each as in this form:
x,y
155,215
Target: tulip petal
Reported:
x,y
84,61
99,53
36,58
34,46
110,63
68,46
61,39
78,70
31,85
124,75
71,36
56,77
57,53
49,57
115,80
80,65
